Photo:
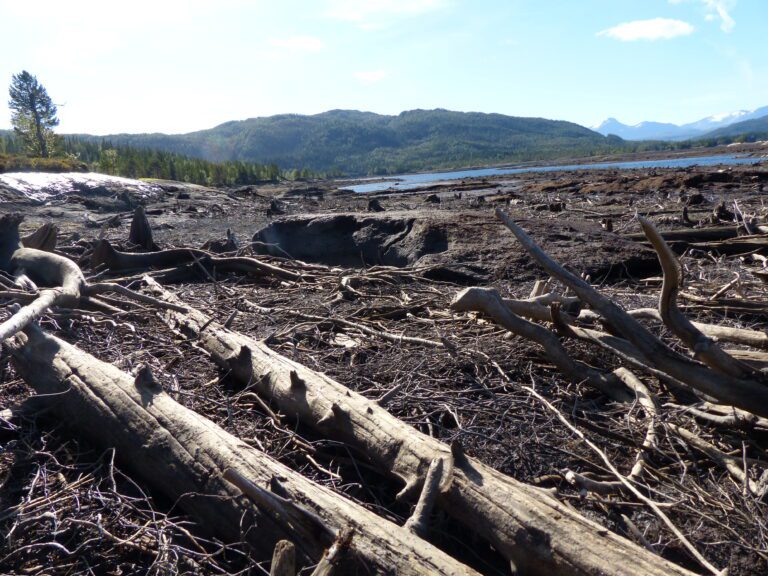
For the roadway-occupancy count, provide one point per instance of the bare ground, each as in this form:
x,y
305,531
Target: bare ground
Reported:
x,y
68,508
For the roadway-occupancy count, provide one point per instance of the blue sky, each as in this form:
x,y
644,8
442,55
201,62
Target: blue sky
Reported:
x,y
182,65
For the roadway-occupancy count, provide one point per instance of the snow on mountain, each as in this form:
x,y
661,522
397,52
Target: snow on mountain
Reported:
x,y
667,131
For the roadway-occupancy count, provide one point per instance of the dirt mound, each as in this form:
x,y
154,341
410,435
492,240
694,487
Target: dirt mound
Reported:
x,y
353,240
463,247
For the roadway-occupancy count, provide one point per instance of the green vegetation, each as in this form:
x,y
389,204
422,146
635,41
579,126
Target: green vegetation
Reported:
x,y
352,142
362,143
747,131
130,162
33,115
17,163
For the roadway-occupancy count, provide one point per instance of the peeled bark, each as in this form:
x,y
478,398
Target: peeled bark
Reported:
x,y
527,525
188,458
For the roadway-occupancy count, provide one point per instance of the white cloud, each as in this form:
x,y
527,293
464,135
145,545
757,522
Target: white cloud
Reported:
x,y
371,76
653,29
716,9
298,43
369,13
722,8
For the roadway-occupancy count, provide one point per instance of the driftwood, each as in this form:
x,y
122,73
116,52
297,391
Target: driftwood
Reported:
x,y
527,525
105,256
62,280
204,469
739,245
727,380
283,559
690,235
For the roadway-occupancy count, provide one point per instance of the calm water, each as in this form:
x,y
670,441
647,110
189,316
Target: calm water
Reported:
x,y
408,181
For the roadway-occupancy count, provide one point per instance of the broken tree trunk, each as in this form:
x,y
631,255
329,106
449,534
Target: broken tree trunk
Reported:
x,y
44,238
527,525
141,232
191,460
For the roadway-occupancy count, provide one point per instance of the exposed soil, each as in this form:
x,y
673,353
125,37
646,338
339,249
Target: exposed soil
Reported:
x,y
408,261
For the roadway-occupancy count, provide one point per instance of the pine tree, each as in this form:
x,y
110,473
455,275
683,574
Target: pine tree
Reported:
x,y
34,114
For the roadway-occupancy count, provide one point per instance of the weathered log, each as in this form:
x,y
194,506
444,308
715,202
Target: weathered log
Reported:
x,y
186,457
739,245
690,235
105,255
66,281
704,347
525,524
720,333
490,302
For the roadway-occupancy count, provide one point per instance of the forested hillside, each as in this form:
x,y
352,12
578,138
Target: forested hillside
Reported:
x,y
98,155
749,130
348,142
355,142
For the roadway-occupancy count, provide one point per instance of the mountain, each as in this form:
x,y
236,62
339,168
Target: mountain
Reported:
x,y
356,142
665,131
755,128
642,131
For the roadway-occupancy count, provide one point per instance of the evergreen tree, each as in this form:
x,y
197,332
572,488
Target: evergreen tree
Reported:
x,y
34,114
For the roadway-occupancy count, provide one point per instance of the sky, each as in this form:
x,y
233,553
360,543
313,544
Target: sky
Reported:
x,y
177,66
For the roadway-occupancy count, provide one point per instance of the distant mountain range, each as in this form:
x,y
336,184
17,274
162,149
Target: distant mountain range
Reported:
x,y
357,143
363,143
705,127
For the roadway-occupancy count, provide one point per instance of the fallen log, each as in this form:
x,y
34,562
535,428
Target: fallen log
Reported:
x,y
690,235
201,467
104,255
740,245
527,525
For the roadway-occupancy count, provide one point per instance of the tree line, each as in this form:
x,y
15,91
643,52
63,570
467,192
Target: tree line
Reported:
x,y
72,153
33,145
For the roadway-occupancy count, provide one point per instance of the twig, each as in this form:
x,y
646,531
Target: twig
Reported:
x,y
639,495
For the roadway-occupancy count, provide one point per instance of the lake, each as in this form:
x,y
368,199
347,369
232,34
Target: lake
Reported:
x,y
409,181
